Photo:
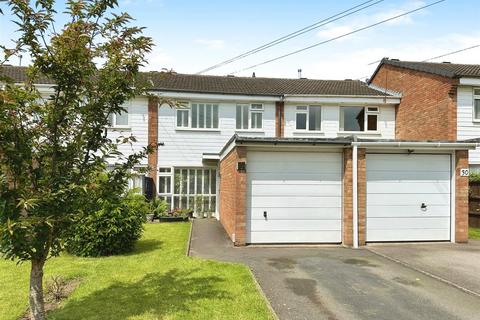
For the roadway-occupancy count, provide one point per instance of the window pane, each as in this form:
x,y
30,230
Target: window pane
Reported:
x,y
177,181
184,202
256,122
239,117
213,179
162,184
111,120
476,92
122,119
194,115
199,181
191,202
215,116
256,106
176,202
315,118
206,181
184,189
191,181
301,121
372,122
182,118
245,117
213,201
477,108
352,118
201,116
165,170
209,116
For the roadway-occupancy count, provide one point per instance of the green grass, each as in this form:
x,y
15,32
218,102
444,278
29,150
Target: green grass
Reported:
x,y
157,281
474,233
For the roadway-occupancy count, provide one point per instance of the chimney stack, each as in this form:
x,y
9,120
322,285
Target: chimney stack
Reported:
x,y
299,73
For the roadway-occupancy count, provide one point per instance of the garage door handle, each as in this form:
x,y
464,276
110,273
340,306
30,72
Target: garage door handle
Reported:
x,y
423,207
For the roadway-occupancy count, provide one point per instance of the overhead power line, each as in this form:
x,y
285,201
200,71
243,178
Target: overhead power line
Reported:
x,y
339,37
297,33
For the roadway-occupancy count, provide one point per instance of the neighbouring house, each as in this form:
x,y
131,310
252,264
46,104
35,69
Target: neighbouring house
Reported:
x,y
440,101
297,160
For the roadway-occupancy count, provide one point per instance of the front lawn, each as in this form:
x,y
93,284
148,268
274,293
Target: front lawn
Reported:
x,y
157,281
474,233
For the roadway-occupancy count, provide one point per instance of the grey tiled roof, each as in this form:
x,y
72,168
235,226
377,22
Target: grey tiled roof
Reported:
x,y
235,85
450,70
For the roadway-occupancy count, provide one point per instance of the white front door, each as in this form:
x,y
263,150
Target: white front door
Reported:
x,y
294,197
408,197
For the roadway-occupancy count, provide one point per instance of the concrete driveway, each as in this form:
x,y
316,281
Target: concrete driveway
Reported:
x,y
340,283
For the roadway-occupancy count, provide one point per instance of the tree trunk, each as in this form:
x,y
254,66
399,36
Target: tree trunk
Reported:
x,y
37,306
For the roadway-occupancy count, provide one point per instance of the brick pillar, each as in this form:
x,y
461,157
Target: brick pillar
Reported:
x,y
461,197
153,138
362,196
279,118
347,236
241,200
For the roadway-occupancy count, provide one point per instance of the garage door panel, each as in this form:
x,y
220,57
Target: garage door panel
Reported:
x,y
408,235
301,193
296,225
408,176
288,213
399,187
295,201
390,199
408,223
410,162
407,211
286,189
296,237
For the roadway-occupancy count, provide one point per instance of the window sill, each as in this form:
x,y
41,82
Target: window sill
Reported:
x,y
309,132
250,130
119,128
476,120
374,133
198,129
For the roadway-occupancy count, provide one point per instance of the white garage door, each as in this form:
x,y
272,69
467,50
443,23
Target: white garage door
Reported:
x,y
408,197
294,197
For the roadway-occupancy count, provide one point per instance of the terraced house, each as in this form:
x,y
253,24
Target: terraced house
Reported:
x,y
297,160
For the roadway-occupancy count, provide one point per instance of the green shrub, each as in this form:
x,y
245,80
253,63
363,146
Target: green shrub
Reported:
x,y
113,229
474,177
158,207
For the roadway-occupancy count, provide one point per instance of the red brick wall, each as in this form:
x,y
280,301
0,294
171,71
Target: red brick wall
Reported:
x,y
362,196
347,231
233,186
461,197
279,118
428,107
153,138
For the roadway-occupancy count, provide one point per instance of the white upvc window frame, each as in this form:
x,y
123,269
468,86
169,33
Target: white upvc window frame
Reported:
x,y
113,119
367,110
188,109
476,97
253,108
305,109
164,174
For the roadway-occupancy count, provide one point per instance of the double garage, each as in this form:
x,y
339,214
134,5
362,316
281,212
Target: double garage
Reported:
x,y
298,195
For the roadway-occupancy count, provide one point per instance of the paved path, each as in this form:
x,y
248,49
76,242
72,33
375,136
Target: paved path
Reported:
x,y
336,282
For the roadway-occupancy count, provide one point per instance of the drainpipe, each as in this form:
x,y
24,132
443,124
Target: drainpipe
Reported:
x,y
355,195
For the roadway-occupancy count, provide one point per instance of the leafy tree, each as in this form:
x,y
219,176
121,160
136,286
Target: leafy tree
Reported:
x,y
51,145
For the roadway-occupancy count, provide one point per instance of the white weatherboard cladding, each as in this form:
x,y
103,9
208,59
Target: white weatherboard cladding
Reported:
x,y
467,128
301,193
184,148
397,185
331,123
137,127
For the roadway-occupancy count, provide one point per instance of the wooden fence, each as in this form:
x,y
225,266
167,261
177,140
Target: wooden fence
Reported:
x,y
474,205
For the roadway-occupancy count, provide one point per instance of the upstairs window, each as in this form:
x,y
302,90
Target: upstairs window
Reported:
x,y
198,116
476,104
359,119
308,118
249,116
118,120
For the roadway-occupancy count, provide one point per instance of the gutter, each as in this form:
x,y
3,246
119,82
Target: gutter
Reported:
x,y
413,144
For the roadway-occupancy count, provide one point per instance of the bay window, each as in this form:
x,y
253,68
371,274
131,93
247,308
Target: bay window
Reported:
x,y
476,104
198,116
249,116
308,118
359,119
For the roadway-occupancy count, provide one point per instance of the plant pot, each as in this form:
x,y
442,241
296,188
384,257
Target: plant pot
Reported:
x,y
150,217
172,219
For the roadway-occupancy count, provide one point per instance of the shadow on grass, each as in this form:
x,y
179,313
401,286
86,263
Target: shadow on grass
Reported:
x,y
155,294
145,246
